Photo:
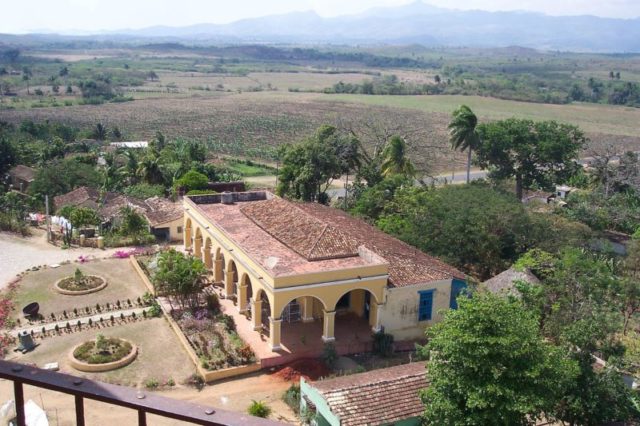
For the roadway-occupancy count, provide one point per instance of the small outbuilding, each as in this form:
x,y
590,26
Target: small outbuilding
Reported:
x,y
20,177
389,396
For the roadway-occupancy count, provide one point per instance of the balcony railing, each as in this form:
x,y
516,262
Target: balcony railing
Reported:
x,y
121,396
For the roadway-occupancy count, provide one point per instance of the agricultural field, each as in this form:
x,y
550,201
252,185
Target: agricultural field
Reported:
x,y
245,102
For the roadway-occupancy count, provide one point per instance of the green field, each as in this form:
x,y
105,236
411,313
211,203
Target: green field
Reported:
x,y
592,118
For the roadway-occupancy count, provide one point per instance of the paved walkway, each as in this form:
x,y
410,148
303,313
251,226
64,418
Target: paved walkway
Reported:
x,y
83,320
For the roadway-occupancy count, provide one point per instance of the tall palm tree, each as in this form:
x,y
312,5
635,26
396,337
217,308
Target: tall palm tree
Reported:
x,y
463,134
395,160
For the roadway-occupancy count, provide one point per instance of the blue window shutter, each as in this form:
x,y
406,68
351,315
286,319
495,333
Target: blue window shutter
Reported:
x,y
425,307
456,287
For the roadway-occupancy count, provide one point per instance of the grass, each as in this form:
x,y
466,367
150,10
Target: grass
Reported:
x,y
248,169
593,118
160,354
123,284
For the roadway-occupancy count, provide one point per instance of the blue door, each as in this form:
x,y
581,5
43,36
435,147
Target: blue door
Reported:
x,y
456,288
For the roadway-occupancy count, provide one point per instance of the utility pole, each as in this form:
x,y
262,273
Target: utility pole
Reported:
x,y
346,191
47,217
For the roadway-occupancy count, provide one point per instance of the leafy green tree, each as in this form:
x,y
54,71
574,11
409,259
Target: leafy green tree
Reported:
x,y
192,180
473,227
309,167
132,223
62,176
533,153
8,155
180,277
395,160
83,216
150,169
463,134
489,365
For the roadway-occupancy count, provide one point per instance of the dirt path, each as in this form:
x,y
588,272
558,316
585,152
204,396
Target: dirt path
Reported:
x,y
18,254
232,395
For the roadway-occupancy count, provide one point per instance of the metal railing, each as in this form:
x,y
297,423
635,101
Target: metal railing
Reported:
x,y
120,396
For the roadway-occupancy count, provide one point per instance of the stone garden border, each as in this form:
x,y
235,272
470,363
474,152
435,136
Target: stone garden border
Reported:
x,y
97,368
80,292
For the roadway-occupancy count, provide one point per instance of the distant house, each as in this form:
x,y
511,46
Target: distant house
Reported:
x,y
130,145
165,218
20,177
503,283
563,191
390,396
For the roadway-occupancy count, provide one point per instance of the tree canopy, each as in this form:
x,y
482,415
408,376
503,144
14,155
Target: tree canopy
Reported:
x,y
535,154
489,365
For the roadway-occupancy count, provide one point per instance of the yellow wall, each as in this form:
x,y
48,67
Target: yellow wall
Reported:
x,y
327,286
399,315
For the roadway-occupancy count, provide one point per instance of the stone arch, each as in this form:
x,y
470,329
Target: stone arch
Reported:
x,y
233,269
294,299
187,234
197,244
208,260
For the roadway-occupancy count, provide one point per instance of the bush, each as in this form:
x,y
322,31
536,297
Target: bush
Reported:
x,y
329,354
145,190
383,344
192,180
201,192
151,383
259,409
213,303
292,397
195,381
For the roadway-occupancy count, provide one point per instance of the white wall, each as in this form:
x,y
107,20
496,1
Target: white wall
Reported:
x,y
399,315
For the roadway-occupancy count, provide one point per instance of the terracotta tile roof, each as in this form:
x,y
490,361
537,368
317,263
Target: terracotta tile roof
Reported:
x,y
83,196
289,237
160,210
301,232
376,397
407,264
156,210
24,173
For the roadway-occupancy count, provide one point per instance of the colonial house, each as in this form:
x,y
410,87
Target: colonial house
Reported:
x,y
389,396
165,217
20,177
286,262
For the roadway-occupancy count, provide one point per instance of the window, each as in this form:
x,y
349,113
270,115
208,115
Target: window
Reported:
x,y
179,229
425,307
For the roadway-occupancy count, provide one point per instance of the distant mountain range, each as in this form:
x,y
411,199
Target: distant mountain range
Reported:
x,y
420,23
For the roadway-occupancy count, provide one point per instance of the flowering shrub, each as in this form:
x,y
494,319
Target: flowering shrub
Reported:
x,y
83,259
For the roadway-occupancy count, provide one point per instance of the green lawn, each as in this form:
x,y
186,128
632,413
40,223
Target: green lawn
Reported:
x,y
249,170
594,118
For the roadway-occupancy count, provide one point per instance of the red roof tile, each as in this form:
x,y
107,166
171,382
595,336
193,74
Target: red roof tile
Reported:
x,y
376,397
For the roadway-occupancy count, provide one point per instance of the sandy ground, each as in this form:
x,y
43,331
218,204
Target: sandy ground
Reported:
x,y
231,395
18,254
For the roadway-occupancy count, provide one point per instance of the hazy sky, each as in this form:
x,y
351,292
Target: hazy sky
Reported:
x,y
92,15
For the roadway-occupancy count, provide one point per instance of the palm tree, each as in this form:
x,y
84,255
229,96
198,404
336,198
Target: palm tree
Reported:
x,y
99,132
149,169
395,161
463,134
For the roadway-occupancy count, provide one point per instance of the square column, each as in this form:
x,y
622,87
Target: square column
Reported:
x,y
217,272
306,307
208,261
242,298
329,321
374,317
228,285
274,333
256,314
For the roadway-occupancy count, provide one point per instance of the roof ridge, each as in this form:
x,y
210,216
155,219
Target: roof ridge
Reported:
x,y
317,241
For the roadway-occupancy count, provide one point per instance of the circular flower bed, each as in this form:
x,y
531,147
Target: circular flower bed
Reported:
x,y
80,284
103,354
